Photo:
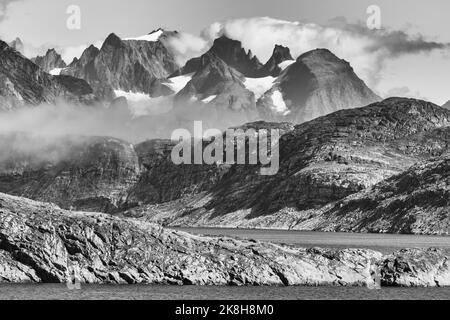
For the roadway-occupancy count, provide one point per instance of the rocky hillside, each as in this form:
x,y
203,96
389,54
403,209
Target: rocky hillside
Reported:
x,y
42,243
321,162
126,65
51,62
24,83
87,173
415,201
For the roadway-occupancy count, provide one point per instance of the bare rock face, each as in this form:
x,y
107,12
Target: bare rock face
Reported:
x,y
318,83
216,94
279,55
127,65
23,83
51,61
92,174
232,53
416,268
41,243
415,201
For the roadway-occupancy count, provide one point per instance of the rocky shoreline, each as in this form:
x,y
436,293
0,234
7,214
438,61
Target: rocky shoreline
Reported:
x,y
40,242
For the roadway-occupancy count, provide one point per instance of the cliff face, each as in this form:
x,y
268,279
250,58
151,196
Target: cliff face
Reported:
x,y
92,174
126,65
23,82
42,243
51,62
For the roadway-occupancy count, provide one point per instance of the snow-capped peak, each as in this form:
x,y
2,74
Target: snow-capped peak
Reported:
x,y
153,36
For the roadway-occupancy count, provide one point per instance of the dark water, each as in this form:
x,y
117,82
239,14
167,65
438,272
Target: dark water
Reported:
x,y
385,243
159,292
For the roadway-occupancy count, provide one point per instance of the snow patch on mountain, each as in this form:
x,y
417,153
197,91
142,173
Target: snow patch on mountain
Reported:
x,y
133,96
278,103
209,99
179,82
152,37
259,86
56,71
283,65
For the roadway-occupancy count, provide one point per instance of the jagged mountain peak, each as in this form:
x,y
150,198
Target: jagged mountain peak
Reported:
x,y
112,40
232,52
51,62
272,67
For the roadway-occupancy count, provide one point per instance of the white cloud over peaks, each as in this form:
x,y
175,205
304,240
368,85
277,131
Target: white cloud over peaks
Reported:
x,y
367,50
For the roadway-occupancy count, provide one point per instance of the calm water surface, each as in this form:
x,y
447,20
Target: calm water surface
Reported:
x,y
160,292
385,243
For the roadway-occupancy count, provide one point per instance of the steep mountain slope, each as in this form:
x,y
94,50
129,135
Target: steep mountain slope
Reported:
x,y
23,82
415,201
318,83
272,67
88,173
135,65
216,93
51,62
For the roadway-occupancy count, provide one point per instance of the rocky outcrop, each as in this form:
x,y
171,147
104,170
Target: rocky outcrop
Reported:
x,y
51,62
23,83
318,83
41,243
415,201
135,65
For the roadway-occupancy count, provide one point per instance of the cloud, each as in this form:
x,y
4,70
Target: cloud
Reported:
x,y
4,7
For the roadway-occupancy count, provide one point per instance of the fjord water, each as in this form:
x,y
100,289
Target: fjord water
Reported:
x,y
385,243
168,292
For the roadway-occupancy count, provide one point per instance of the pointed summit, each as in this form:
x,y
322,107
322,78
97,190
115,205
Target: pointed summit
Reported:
x,y
316,84
51,62
112,41
233,54
273,66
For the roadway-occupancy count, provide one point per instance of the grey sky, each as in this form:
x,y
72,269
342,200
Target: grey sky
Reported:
x,y
42,23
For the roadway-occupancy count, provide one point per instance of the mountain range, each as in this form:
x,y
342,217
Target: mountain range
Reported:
x,y
349,161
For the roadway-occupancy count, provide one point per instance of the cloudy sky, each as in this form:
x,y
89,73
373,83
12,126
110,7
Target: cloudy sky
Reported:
x,y
409,56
